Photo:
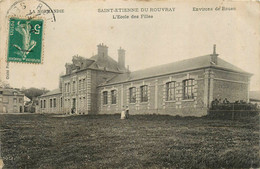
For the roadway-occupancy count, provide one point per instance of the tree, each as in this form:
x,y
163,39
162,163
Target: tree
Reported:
x,y
32,92
4,84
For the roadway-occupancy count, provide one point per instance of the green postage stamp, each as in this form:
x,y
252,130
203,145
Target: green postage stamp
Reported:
x,y
25,40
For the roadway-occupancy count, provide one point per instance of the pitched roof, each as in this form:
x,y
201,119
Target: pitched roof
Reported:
x,y
53,92
10,92
105,62
175,67
96,62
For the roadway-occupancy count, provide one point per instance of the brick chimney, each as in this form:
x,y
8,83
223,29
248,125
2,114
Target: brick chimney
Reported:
x,y
214,56
60,81
68,68
121,58
128,72
102,50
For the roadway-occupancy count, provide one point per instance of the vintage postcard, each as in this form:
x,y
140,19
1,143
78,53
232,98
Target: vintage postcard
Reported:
x,y
129,84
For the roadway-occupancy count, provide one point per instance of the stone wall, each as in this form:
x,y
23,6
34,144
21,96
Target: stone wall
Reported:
x,y
50,107
157,103
84,90
208,83
77,89
97,77
231,90
233,86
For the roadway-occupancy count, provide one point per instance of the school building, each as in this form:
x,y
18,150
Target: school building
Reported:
x,y
101,85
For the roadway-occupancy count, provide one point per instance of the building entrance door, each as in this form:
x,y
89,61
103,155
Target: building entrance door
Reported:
x,y
74,106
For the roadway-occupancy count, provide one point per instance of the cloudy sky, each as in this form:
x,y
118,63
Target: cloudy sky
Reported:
x,y
167,37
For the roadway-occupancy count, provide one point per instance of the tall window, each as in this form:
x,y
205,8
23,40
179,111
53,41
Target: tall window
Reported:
x,y
105,97
44,104
50,103
60,102
113,96
170,91
65,88
83,81
41,104
132,95
79,84
54,102
68,87
188,88
144,93
73,86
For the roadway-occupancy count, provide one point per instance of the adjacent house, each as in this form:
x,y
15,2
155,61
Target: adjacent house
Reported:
x,y
101,85
11,101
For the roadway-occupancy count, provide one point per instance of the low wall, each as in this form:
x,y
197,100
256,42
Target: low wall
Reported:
x,y
198,112
233,114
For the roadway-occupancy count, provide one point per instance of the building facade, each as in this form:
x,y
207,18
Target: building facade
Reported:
x,y
11,101
78,88
100,85
51,102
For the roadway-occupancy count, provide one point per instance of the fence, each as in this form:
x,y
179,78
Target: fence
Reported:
x,y
234,110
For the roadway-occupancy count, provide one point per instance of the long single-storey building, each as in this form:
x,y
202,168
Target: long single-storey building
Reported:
x,y
101,85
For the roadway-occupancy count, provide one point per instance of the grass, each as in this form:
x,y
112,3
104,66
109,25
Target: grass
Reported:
x,y
143,141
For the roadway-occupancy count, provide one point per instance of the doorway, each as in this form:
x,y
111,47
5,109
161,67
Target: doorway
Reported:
x,y
73,105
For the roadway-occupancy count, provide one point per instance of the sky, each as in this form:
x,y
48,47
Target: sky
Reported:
x,y
165,38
